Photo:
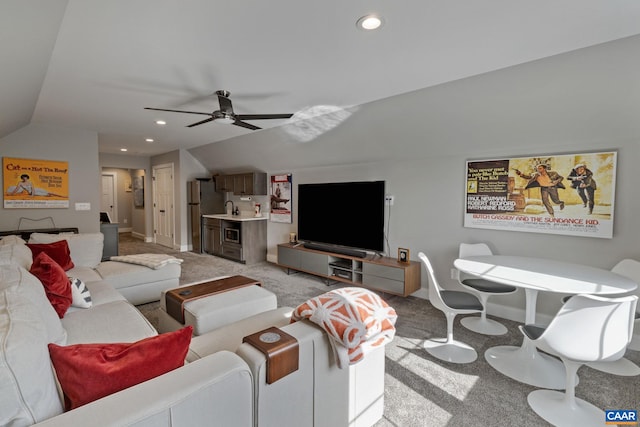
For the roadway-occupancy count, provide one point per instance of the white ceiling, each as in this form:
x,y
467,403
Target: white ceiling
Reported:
x,y
96,64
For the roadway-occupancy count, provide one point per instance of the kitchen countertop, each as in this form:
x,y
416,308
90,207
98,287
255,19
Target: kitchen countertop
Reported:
x,y
236,217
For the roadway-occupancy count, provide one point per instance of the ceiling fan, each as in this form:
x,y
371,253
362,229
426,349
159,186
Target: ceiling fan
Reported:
x,y
226,115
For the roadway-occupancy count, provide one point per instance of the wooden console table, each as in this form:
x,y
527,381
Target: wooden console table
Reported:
x,y
377,273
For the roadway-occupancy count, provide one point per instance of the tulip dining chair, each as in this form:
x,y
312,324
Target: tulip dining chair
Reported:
x,y
624,367
451,303
631,268
483,289
587,328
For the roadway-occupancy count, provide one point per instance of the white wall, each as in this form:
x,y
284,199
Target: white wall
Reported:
x,y
587,100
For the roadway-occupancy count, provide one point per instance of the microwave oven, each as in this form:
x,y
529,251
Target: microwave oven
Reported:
x,y
232,235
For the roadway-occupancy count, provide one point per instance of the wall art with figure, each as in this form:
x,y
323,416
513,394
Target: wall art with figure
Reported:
x,y
570,194
281,198
31,183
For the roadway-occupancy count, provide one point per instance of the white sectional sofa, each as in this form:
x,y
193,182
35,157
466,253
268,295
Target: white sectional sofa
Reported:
x,y
223,382
137,283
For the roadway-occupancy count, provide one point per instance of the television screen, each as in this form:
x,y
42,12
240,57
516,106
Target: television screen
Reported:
x,y
342,213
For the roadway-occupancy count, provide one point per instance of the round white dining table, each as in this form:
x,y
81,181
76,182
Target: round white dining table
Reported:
x,y
525,363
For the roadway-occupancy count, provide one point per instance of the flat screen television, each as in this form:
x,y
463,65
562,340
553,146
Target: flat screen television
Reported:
x,y
342,214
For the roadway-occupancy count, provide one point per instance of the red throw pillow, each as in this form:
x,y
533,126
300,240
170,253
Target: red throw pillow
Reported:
x,y
55,281
88,372
58,251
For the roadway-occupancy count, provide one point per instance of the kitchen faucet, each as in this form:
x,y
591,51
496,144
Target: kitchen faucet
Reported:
x,y
232,209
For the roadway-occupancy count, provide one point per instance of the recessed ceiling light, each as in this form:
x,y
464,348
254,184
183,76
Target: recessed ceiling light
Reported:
x,y
161,122
123,149
370,22
149,139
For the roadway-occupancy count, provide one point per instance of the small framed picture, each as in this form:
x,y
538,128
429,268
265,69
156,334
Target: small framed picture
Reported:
x,y
403,255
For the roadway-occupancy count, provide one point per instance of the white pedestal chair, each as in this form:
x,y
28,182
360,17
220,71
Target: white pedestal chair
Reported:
x,y
586,329
451,303
631,268
483,289
624,367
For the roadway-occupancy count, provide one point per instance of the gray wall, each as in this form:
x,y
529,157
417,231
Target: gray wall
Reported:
x,y
80,149
587,100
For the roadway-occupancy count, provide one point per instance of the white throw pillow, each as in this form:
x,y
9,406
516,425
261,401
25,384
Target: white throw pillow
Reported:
x,y
80,293
18,254
14,276
11,240
28,390
85,248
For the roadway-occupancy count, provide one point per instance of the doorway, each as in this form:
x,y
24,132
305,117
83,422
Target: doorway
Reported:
x,y
163,214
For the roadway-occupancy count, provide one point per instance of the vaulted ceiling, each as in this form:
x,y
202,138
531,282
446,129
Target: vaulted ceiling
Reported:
x,y
96,64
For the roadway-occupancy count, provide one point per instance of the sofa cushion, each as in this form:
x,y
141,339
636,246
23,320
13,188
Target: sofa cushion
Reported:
x,y
55,281
11,240
102,293
86,248
116,321
88,372
14,276
122,275
16,254
28,390
58,251
80,293
86,274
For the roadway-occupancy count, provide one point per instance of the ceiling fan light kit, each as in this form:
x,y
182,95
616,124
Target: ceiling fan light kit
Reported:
x,y
226,114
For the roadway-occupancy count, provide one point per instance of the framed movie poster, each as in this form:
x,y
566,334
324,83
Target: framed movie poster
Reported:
x,y
570,194
138,191
31,183
281,198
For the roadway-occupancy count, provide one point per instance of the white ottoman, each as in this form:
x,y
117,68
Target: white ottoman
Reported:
x,y
214,311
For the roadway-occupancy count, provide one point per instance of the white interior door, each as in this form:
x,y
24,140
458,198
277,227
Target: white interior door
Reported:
x,y
163,223
108,201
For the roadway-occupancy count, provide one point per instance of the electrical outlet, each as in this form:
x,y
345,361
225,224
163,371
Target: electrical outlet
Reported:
x,y
388,200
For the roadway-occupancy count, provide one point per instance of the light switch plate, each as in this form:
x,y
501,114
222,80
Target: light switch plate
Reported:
x,y
83,206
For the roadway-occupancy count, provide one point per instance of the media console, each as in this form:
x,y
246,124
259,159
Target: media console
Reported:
x,y
373,272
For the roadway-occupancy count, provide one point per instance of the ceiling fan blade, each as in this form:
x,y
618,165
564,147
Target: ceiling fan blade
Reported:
x,y
262,116
177,111
202,122
225,104
245,125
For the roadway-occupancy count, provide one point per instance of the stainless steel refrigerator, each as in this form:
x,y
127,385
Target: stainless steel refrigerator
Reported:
x,y
202,200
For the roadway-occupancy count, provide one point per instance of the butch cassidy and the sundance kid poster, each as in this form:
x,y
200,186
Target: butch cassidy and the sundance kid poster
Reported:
x,y
570,194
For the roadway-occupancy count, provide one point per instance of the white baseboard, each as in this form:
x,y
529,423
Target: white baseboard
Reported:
x,y
139,236
421,293
272,258
125,230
